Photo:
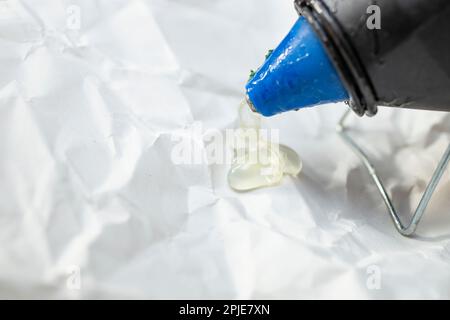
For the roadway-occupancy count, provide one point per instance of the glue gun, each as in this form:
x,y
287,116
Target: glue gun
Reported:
x,y
367,53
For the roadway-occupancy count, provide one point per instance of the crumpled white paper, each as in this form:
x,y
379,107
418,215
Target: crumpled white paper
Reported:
x,y
91,205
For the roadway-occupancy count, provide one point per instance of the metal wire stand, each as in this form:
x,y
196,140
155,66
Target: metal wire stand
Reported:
x,y
410,228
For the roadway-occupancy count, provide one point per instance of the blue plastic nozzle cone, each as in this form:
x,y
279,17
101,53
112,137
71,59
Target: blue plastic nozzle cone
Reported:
x,y
296,75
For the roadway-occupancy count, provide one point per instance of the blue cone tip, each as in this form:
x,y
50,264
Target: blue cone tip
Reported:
x,y
296,75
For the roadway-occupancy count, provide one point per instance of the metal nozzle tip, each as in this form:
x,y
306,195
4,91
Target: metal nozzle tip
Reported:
x,y
250,104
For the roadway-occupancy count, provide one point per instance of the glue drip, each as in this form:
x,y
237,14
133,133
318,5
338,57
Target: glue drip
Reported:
x,y
259,163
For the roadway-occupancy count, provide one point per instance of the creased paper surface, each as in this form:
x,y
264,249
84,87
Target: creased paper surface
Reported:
x,y
92,205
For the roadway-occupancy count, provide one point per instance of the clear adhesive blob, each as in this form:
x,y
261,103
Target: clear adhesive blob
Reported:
x,y
258,162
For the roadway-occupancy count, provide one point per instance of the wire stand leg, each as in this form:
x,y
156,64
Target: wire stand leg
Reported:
x,y
404,229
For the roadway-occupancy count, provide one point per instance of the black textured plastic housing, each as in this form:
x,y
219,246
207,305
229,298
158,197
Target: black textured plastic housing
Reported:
x,y
405,63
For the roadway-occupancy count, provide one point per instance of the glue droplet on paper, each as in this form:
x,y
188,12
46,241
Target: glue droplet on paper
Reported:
x,y
257,162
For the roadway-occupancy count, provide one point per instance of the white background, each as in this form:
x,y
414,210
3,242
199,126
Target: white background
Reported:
x,y
91,205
